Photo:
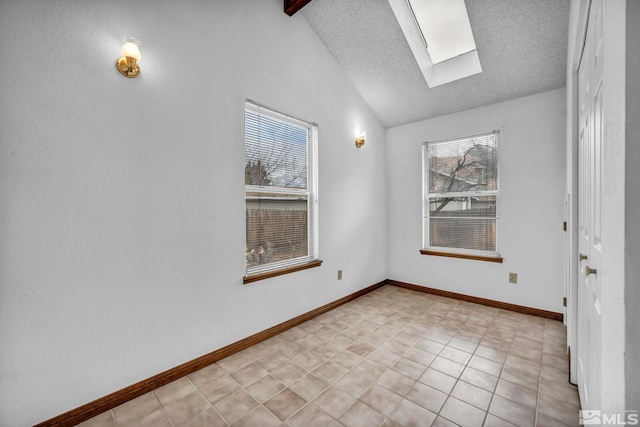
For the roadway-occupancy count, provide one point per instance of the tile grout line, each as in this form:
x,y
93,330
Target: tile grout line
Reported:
x,y
204,397
162,408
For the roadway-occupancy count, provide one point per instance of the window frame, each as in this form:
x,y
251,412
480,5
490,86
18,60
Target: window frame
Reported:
x,y
272,269
464,253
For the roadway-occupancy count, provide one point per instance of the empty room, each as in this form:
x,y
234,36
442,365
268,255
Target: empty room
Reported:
x,y
319,213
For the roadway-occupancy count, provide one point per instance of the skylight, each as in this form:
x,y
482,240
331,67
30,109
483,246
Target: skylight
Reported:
x,y
445,27
440,37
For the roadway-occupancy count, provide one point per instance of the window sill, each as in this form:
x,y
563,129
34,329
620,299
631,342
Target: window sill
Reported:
x,y
462,256
274,273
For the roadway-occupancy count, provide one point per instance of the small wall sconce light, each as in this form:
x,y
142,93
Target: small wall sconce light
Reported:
x,y
128,63
360,139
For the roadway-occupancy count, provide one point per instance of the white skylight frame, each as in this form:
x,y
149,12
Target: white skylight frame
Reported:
x,y
458,67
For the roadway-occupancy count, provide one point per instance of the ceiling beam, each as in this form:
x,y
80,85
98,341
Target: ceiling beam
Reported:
x,y
292,6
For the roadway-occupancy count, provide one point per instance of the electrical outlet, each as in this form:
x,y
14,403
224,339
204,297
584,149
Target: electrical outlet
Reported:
x,y
339,274
513,278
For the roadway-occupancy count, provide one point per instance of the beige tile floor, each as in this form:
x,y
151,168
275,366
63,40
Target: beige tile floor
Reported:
x,y
393,357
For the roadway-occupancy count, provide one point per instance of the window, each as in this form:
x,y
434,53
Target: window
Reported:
x,y
461,194
281,193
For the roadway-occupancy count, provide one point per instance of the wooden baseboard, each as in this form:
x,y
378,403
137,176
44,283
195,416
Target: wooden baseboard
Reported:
x,y
119,397
491,303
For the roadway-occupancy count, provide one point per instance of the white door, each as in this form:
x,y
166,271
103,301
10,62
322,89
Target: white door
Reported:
x,y
590,81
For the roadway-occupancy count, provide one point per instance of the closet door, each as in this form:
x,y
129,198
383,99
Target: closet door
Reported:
x,y
590,81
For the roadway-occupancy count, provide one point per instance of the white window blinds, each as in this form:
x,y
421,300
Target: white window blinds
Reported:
x,y
280,190
461,194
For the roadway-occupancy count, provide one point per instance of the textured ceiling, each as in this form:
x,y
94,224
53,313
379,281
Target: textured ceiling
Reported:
x,y
522,46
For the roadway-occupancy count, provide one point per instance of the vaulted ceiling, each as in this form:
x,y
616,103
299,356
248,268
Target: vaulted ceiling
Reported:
x,y
522,46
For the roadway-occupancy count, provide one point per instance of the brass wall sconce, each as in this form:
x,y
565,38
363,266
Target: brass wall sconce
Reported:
x,y
128,63
360,139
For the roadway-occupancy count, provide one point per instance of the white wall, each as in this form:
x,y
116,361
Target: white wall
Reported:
x,y
611,271
532,174
122,220
632,208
